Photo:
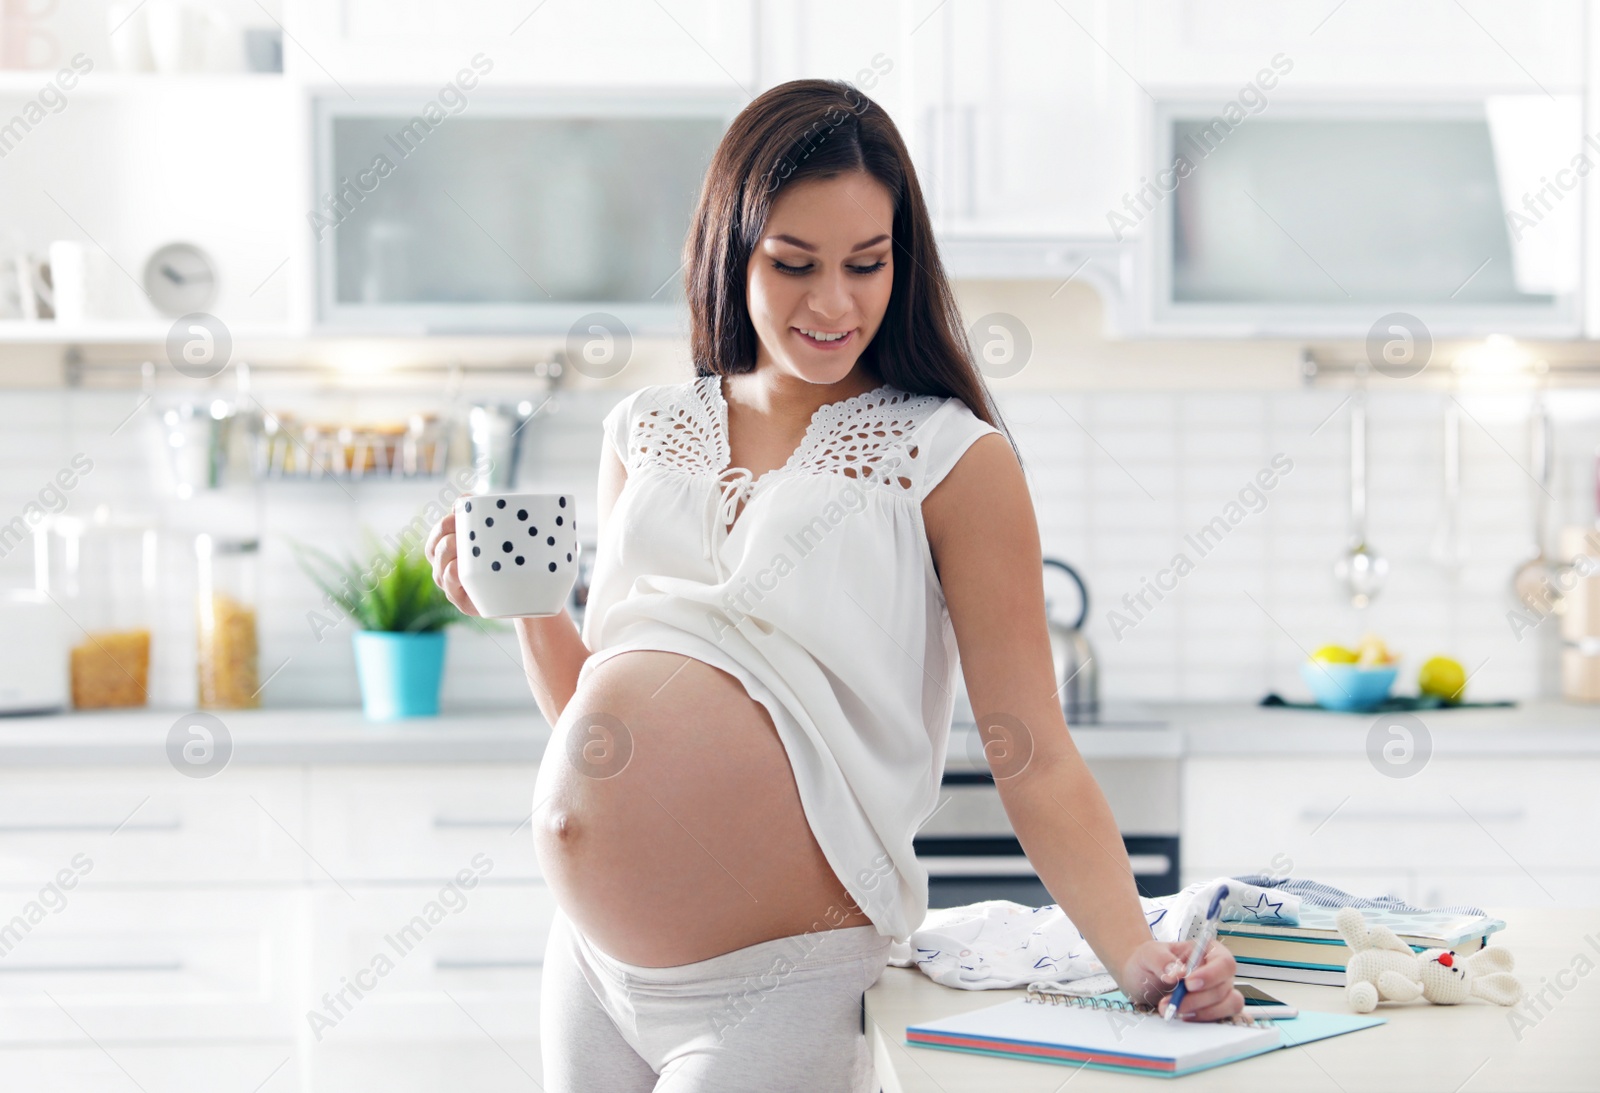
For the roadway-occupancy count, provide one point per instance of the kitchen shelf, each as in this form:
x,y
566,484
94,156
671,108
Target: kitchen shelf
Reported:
x,y
1321,365
152,331
550,368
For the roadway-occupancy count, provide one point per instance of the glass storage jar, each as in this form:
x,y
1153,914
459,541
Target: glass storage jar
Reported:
x,y
100,571
227,660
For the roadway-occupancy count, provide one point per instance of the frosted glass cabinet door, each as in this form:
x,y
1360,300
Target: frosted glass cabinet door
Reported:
x,y
516,214
1337,213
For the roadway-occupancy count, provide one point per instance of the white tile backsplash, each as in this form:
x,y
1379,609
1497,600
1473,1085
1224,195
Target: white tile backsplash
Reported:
x,y
1120,478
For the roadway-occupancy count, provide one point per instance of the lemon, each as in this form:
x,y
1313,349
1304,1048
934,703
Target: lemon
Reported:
x,y
1334,654
1442,677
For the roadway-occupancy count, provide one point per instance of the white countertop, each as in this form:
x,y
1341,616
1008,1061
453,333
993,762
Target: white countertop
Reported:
x,y
278,736
1529,729
1191,729
1155,731
1470,1047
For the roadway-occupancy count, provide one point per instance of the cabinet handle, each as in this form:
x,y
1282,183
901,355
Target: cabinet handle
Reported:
x,y
462,964
969,117
983,865
933,147
1390,815
67,826
451,823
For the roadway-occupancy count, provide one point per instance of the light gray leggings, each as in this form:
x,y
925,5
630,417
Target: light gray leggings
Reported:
x,y
780,1015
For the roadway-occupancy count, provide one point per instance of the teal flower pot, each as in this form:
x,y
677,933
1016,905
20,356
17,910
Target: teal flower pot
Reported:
x,y
399,673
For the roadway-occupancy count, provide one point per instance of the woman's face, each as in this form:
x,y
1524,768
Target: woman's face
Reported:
x,y
823,267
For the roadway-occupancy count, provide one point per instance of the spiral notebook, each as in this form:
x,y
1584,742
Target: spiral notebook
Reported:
x,y
1109,1032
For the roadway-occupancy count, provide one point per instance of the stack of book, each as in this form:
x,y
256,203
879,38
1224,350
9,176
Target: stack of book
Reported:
x,y
1313,951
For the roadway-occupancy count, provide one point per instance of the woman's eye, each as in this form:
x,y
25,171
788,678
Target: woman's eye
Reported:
x,y
797,270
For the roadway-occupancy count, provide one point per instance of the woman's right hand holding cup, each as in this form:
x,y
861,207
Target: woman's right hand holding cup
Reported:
x,y
441,552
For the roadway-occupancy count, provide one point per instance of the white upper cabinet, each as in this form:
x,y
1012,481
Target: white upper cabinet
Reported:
x,y
1491,45
610,43
1022,119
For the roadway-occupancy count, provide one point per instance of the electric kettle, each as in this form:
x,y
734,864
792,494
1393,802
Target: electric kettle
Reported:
x,y
1077,675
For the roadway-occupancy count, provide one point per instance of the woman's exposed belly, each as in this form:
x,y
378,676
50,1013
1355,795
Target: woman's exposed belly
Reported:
x,y
667,819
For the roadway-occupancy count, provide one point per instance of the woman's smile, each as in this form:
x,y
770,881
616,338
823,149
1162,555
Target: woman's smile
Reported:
x,y
834,341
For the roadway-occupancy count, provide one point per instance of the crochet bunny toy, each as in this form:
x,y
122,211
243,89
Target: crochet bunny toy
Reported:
x,y
1385,969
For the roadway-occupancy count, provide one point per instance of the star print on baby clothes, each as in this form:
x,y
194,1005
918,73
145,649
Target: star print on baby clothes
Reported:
x,y
1266,909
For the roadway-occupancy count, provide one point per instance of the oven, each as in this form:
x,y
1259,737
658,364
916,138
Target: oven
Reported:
x,y
972,854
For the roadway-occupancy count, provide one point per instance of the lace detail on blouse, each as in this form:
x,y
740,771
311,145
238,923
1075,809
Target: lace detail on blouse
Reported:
x,y
864,437
680,433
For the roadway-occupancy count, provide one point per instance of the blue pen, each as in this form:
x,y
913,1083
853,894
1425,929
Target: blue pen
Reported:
x,y
1198,954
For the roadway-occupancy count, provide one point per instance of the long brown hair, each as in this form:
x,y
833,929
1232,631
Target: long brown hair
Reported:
x,y
819,129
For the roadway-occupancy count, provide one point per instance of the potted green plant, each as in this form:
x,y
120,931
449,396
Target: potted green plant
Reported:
x,y
401,613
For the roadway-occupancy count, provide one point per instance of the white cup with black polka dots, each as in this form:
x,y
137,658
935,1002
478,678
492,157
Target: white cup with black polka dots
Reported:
x,y
517,553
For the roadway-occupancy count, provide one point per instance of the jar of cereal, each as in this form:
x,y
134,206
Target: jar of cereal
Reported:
x,y
227,660
100,570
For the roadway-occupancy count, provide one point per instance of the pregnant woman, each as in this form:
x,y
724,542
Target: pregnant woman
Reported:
x,y
751,726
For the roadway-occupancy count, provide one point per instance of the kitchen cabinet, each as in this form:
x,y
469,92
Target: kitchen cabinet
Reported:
x,y
403,823
154,963
148,826
227,915
1478,830
484,956
614,43
197,1068
1481,44
1020,119
121,170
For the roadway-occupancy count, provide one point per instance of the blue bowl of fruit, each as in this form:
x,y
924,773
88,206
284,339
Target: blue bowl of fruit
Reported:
x,y
1351,680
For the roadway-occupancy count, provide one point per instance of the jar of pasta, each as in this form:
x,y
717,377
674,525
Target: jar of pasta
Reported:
x,y
100,570
227,659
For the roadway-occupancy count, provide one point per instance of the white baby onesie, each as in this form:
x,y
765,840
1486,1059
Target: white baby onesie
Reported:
x,y
998,944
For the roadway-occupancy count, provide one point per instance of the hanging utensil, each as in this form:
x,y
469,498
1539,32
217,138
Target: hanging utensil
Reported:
x,y
1532,580
1360,570
496,430
1447,549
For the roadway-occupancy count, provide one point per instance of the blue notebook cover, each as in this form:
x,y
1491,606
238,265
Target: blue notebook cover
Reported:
x,y
1017,1042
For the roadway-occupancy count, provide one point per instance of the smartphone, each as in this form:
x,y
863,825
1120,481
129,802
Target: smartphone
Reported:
x,y
1258,1003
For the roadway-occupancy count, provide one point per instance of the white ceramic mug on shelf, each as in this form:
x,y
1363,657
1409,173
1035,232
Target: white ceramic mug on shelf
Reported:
x,y
129,27
517,553
79,282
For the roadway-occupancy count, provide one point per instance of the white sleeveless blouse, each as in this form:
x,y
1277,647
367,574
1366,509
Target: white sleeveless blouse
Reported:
x,y
821,599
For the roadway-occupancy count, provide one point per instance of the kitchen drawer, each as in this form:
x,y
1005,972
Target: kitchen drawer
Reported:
x,y
502,1065
185,1068
151,825
1316,817
403,823
420,954
131,965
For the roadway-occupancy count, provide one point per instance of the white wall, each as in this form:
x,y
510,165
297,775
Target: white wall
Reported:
x,y
1119,477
